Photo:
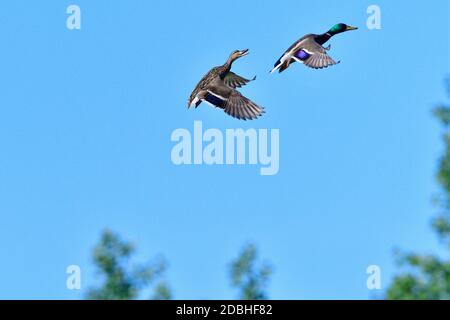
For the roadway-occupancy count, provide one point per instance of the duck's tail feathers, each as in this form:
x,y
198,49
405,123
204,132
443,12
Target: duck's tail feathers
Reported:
x,y
194,102
284,66
277,65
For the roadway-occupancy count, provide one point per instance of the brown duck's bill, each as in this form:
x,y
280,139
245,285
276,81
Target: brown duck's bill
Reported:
x,y
244,52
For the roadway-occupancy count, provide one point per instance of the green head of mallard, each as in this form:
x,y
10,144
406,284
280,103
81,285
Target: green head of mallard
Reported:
x,y
340,27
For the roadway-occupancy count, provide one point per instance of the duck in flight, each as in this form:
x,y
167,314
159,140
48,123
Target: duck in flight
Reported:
x,y
218,88
309,50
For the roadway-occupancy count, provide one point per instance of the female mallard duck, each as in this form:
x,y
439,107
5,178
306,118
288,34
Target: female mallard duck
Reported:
x,y
310,51
218,88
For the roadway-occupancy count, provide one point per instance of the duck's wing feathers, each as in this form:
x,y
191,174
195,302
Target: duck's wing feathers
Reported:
x,y
233,103
307,51
234,81
319,61
241,107
313,55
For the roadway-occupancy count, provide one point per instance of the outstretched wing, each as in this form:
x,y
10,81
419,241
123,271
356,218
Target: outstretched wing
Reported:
x,y
236,105
234,81
319,60
313,55
306,51
241,107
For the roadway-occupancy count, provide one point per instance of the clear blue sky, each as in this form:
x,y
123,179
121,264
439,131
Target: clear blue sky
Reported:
x,y
86,118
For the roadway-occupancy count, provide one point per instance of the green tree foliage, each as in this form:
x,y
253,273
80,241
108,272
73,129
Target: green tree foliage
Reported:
x,y
121,279
249,276
162,292
428,277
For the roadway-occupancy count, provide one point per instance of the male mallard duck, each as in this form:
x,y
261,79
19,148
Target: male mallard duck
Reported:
x,y
310,51
218,88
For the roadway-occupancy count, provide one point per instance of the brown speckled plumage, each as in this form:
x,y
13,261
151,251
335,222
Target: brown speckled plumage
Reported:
x,y
218,87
